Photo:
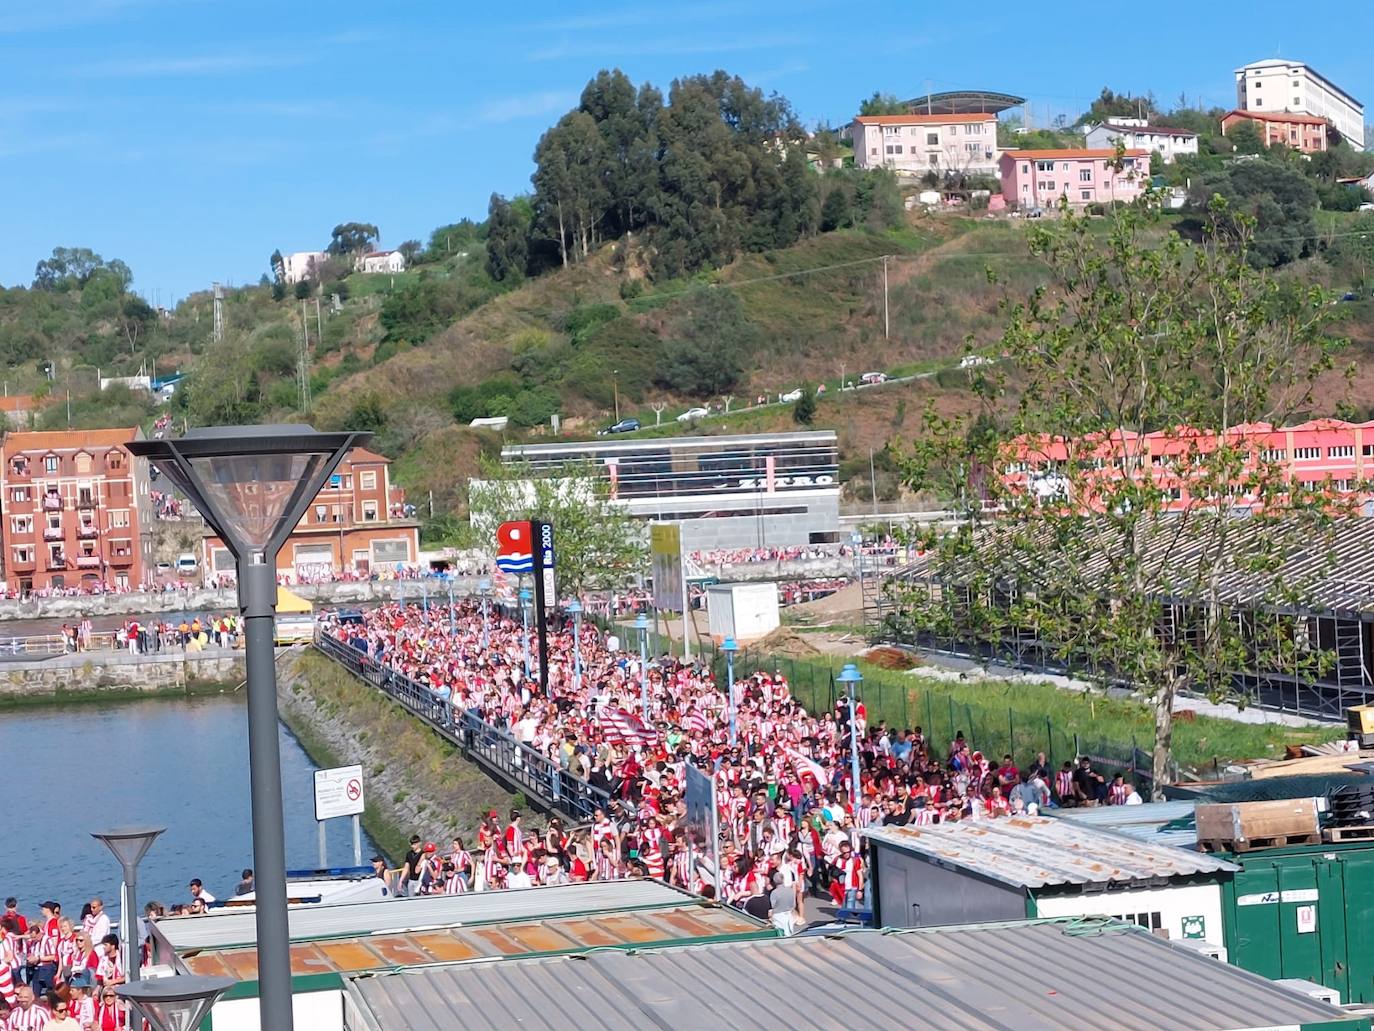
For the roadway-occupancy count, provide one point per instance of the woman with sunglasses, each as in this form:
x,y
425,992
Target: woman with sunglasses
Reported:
x,y
108,1012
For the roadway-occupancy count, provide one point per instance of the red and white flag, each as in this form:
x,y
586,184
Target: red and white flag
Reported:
x,y
621,727
698,722
7,991
807,767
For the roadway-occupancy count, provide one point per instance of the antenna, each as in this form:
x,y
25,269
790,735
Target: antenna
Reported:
x,y
218,334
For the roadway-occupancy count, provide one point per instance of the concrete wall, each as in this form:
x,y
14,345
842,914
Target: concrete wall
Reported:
x,y
116,674
913,892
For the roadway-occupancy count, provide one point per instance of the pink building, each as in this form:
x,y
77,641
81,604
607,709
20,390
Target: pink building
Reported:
x,y
1306,133
1039,178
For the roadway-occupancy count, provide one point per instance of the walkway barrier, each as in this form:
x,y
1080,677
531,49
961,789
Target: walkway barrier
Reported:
x,y
540,778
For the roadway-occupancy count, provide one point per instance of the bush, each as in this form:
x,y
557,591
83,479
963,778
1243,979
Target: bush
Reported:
x,y
631,288
483,400
585,318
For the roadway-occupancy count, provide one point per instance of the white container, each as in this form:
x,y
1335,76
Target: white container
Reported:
x,y
746,612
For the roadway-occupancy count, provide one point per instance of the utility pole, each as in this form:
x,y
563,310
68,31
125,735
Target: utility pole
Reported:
x,y
615,389
319,324
885,318
303,365
218,333
873,481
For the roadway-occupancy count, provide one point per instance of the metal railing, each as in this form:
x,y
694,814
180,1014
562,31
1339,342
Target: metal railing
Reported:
x,y
537,776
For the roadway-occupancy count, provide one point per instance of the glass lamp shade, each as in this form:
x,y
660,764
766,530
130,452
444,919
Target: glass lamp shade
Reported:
x,y
175,1003
729,645
642,622
129,844
850,674
251,483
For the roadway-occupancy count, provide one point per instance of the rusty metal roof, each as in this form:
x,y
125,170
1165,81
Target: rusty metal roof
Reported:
x,y
1038,851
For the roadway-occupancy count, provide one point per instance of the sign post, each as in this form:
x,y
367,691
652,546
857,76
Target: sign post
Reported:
x,y
339,792
527,547
703,827
670,576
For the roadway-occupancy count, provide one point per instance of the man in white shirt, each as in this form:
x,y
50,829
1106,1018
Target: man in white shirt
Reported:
x,y
198,892
97,924
517,878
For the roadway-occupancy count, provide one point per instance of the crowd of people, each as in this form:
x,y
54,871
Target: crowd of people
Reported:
x,y
167,505
789,815
795,592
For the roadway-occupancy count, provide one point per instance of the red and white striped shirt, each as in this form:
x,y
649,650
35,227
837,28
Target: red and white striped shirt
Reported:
x,y
1063,783
31,1019
1117,794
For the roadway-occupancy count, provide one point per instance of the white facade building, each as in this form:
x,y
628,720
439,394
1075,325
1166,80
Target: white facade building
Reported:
x,y
1278,86
915,144
1135,134
382,262
301,265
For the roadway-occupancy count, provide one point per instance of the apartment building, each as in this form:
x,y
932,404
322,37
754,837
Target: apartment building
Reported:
x,y
76,510
914,144
1137,134
1040,178
1306,133
359,523
1276,86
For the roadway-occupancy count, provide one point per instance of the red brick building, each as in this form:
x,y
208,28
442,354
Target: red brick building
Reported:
x,y
359,523
1306,133
75,510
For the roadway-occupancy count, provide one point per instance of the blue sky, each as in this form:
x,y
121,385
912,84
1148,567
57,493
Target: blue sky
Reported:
x,y
191,137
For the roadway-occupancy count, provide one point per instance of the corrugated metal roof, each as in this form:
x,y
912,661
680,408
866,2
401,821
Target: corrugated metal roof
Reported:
x,y
1035,851
1040,976
1143,822
394,915
503,939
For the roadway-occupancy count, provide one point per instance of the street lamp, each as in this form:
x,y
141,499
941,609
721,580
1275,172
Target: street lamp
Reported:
x,y
642,625
253,484
175,1003
729,647
484,589
852,678
424,594
525,596
451,631
575,607
129,845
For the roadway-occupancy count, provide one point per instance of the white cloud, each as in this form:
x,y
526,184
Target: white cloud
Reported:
x,y
512,109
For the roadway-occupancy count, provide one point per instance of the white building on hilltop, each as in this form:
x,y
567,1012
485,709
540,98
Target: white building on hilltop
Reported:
x,y
1136,134
301,265
1276,85
381,262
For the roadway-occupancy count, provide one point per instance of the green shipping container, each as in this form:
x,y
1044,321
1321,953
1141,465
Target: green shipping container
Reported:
x,y
1305,912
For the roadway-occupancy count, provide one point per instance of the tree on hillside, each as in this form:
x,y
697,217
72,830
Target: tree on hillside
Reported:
x,y
71,268
352,237
409,250
1272,207
278,264
1109,105
135,316
882,104
804,410
463,235
1354,248
304,288
598,546
571,196
1115,560
507,243
1245,138
704,359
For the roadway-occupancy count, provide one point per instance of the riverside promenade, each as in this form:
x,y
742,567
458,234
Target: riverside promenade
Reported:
x,y
116,673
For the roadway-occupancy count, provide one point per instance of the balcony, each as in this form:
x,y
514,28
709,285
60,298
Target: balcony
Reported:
x,y
23,565
22,471
121,558
55,563
52,533
85,501
87,561
52,503
88,532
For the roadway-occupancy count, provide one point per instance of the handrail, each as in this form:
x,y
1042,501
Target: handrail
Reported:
x,y
492,747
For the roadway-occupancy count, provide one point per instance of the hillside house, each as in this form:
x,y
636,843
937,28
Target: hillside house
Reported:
x,y
914,144
381,262
1306,133
1136,134
1039,178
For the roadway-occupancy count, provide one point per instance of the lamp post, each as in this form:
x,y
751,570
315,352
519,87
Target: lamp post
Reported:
x,y
729,647
424,593
129,845
525,597
642,625
484,589
452,632
852,678
253,484
175,1003
575,608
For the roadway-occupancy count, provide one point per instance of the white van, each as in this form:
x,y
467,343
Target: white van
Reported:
x,y
186,564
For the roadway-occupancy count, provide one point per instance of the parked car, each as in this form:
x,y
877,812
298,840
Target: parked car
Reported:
x,y
868,379
970,361
693,414
164,568
790,396
1367,206
623,426
186,563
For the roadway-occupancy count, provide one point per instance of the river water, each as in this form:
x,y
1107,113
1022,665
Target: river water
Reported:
x,y
178,763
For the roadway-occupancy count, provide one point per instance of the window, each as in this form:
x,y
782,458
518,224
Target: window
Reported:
x,y
320,512
935,161
1047,186
892,130
114,460
1343,486
1341,451
119,517
894,148
1367,451
1149,921
954,130
1025,168
1085,194
872,152
1307,454
83,464
1085,175
1274,455
50,464
390,551
932,139
369,511
973,148
367,481
54,522
976,129
1044,166
19,494
1064,167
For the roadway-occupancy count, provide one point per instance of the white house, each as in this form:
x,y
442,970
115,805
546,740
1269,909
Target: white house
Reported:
x,y
1279,86
382,262
915,144
301,265
1135,134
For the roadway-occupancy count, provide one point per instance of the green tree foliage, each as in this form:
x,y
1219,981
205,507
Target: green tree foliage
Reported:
x,y
882,104
1245,138
583,320
367,415
507,244
463,235
1132,336
303,289
116,405
225,391
804,410
410,250
278,266
837,210
703,357
352,237
1110,104
598,546
716,169
1354,249
418,309
71,268
1280,202
489,398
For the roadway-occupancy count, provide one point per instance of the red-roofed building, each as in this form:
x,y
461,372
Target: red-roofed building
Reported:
x,y
1040,178
76,510
1306,133
914,144
359,523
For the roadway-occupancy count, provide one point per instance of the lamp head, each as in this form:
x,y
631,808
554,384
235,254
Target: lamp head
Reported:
x,y
129,844
525,595
251,483
175,1003
641,622
850,674
574,607
729,645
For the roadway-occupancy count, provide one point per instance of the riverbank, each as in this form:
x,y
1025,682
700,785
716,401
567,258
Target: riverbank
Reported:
x,y
113,675
416,782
